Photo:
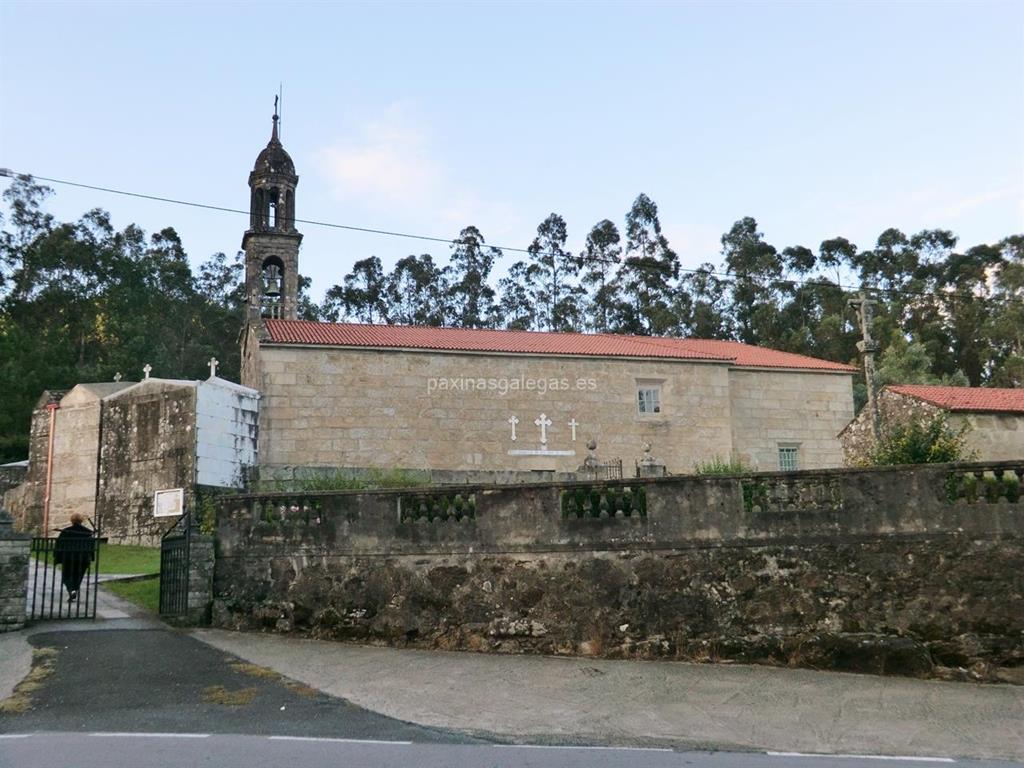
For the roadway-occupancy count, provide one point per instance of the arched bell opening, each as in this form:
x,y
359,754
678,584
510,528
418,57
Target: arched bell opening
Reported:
x,y
271,288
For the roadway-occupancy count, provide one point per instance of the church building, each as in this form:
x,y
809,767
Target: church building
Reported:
x,y
456,405
478,404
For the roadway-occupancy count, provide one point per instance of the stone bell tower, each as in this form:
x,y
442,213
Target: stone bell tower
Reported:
x,y
271,243
271,246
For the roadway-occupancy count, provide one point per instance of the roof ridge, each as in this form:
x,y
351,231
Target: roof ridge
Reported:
x,y
515,341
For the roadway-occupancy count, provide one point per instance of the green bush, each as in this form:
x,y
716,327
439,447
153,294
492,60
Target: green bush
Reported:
x,y
921,441
341,481
716,465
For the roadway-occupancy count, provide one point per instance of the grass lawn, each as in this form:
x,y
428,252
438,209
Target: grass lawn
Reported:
x,y
127,558
144,593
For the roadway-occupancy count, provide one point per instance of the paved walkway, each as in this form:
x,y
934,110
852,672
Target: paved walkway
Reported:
x,y
667,703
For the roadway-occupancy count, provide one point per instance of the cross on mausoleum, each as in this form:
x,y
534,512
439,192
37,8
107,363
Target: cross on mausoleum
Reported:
x,y
513,421
543,422
214,362
572,425
146,369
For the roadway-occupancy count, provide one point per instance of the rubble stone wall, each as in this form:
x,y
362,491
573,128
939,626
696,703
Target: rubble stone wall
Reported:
x,y
906,570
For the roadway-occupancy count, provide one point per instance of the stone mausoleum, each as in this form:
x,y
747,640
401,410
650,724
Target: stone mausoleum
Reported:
x,y
105,450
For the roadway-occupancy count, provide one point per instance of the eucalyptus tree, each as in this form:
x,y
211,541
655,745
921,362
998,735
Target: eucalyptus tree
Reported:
x,y
598,262
647,275
756,269
552,281
472,261
417,292
517,309
362,296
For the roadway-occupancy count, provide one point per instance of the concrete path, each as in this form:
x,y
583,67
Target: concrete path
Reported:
x,y
663,703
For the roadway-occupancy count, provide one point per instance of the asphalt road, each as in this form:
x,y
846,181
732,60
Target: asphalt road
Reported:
x,y
164,681
103,750
159,698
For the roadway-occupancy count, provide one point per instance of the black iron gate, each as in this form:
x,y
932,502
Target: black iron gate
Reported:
x,y
174,556
63,581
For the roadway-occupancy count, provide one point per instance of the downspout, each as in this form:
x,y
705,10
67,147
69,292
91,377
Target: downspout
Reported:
x,y
52,408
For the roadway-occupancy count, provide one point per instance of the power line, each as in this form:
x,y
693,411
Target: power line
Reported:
x,y
727,276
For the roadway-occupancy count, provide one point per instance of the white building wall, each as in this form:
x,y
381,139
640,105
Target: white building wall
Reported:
x,y
227,430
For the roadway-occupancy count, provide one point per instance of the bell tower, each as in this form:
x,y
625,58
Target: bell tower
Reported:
x,y
271,243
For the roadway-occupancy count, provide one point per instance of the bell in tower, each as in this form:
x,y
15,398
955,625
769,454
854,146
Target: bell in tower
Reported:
x,y
271,243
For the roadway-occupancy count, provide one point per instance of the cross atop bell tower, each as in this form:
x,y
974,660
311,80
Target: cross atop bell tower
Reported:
x,y
271,243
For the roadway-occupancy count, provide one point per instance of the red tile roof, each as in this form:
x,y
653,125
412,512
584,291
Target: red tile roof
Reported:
x,y
538,343
977,399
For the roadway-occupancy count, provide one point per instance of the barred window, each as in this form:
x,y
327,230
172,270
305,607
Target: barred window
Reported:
x,y
789,458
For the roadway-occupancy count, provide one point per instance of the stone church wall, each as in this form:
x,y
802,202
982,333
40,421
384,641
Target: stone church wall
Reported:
x,y
910,570
771,409
413,410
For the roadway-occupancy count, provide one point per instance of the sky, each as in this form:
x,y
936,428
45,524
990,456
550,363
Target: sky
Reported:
x,y
817,119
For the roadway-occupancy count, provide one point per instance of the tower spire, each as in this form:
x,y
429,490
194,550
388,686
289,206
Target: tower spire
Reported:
x,y
273,135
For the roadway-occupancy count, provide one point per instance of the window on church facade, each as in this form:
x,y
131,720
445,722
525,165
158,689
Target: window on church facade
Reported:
x,y
648,399
789,458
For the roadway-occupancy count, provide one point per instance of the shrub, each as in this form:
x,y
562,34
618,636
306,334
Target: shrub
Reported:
x,y
921,441
716,465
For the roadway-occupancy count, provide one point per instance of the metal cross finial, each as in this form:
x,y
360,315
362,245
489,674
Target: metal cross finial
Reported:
x,y
572,425
214,362
543,422
146,369
513,421
117,376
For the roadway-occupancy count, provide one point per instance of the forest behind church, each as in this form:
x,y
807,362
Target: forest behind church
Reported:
x,y
81,301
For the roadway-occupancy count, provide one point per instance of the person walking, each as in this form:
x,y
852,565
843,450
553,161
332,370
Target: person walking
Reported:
x,y
73,553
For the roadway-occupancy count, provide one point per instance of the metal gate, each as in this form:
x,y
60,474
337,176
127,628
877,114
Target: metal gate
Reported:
x,y
174,556
62,582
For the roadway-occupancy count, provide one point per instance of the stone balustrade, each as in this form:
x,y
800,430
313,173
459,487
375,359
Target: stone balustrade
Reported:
x,y
820,504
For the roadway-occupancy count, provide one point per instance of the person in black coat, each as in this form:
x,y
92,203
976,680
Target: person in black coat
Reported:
x,y
73,553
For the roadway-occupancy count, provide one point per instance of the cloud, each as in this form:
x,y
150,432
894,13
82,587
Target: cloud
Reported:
x,y
389,163
392,166
959,206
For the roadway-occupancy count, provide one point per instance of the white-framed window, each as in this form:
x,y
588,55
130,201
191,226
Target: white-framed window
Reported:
x,y
648,398
789,458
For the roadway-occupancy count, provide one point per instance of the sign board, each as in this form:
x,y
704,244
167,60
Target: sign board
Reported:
x,y
169,503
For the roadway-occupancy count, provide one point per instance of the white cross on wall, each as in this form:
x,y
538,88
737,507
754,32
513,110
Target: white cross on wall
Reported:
x,y
214,362
572,425
146,369
543,422
513,421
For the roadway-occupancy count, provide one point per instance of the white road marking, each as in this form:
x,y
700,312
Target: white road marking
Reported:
x,y
910,758
567,746
143,735
14,735
339,741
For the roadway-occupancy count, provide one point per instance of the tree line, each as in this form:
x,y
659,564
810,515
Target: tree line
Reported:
x,y
943,314
81,301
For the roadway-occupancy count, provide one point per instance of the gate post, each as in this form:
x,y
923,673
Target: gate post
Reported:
x,y
200,578
14,556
